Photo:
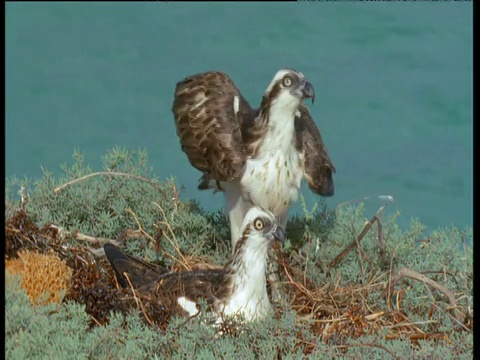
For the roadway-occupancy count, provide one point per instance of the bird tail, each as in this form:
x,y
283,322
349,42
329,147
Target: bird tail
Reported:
x,y
131,271
208,183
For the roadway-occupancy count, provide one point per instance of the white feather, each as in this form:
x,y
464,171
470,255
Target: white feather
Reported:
x,y
188,306
236,206
272,179
278,76
250,296
236,105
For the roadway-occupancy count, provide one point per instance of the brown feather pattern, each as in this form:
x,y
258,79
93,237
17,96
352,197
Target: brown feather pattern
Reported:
x,y
317,164
208,127
217,141
212,285
215,286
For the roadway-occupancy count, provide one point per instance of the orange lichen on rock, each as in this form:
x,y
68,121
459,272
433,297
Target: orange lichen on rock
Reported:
x,y
41,273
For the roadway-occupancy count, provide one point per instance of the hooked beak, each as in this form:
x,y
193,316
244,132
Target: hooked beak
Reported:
x,y
279,234
308,91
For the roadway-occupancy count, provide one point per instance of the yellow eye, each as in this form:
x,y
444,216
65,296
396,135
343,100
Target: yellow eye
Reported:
x,y
258,223
287,81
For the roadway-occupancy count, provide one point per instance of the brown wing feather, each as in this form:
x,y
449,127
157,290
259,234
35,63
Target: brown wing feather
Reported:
x,y
318,166
212,285
139,272
208,127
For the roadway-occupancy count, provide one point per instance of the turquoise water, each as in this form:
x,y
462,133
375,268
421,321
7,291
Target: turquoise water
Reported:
x,y
393,83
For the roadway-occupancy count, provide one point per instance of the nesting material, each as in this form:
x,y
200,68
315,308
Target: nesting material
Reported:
x,y
45,277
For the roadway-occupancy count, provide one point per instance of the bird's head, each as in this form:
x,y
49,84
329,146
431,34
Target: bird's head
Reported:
x,y
260,228
288,88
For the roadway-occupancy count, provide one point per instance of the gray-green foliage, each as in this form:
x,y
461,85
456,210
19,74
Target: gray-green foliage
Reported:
x,y
62,332
106,205
441,255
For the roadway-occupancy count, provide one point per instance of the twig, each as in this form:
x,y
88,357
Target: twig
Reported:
x,y
173,242
357,239
137,300
306,262
359,249
140,227
441,272
404,272
111,173
390,272
95,320
370,345
459,322
418,336
411,324
142,231
381,243
364,255
89,239
86,238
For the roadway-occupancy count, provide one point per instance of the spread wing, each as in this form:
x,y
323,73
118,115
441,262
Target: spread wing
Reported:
x,y
209,111
318,167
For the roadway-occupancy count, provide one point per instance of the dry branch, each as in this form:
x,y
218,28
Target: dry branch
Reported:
x,y
334,312
370,346
111,173
357,239
381,242
404,272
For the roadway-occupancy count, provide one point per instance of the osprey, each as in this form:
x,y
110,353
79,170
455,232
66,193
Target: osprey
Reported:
x,y
257,157
238,288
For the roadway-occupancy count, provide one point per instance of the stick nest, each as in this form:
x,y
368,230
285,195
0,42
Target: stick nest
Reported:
x,y
333,312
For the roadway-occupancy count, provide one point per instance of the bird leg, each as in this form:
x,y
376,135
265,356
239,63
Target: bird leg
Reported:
x,y
237,207
273,276
273,270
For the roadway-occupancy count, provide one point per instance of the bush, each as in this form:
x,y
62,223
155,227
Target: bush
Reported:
x,y
352,287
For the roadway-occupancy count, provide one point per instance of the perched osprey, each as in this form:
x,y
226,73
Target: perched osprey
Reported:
x,y
258,157
238,288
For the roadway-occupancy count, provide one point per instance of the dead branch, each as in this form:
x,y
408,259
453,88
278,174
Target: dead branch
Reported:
x,y
363,255
357,239
138,300
89,239
330,311
441,272
405,272
370,345
418,336
174,242
111,173
381,243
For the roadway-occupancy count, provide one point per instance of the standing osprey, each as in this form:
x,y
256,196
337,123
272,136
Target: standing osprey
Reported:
x,y
238,288
258,157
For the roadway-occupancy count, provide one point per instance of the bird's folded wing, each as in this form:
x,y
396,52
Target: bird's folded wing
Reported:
x,y
140,274
208,111
317,166
211,285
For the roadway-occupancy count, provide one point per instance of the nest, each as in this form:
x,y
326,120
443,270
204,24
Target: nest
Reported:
x,y
334,313
45,277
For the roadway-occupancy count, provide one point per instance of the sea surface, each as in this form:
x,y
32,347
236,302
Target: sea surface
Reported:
x,y
393,81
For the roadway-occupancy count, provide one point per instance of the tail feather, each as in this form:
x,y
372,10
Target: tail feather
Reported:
x,y
206,182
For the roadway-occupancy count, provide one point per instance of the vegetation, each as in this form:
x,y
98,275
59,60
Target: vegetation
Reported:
x,y
352,287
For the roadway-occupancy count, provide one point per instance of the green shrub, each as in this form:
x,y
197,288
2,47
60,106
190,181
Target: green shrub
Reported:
x,y
104,205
